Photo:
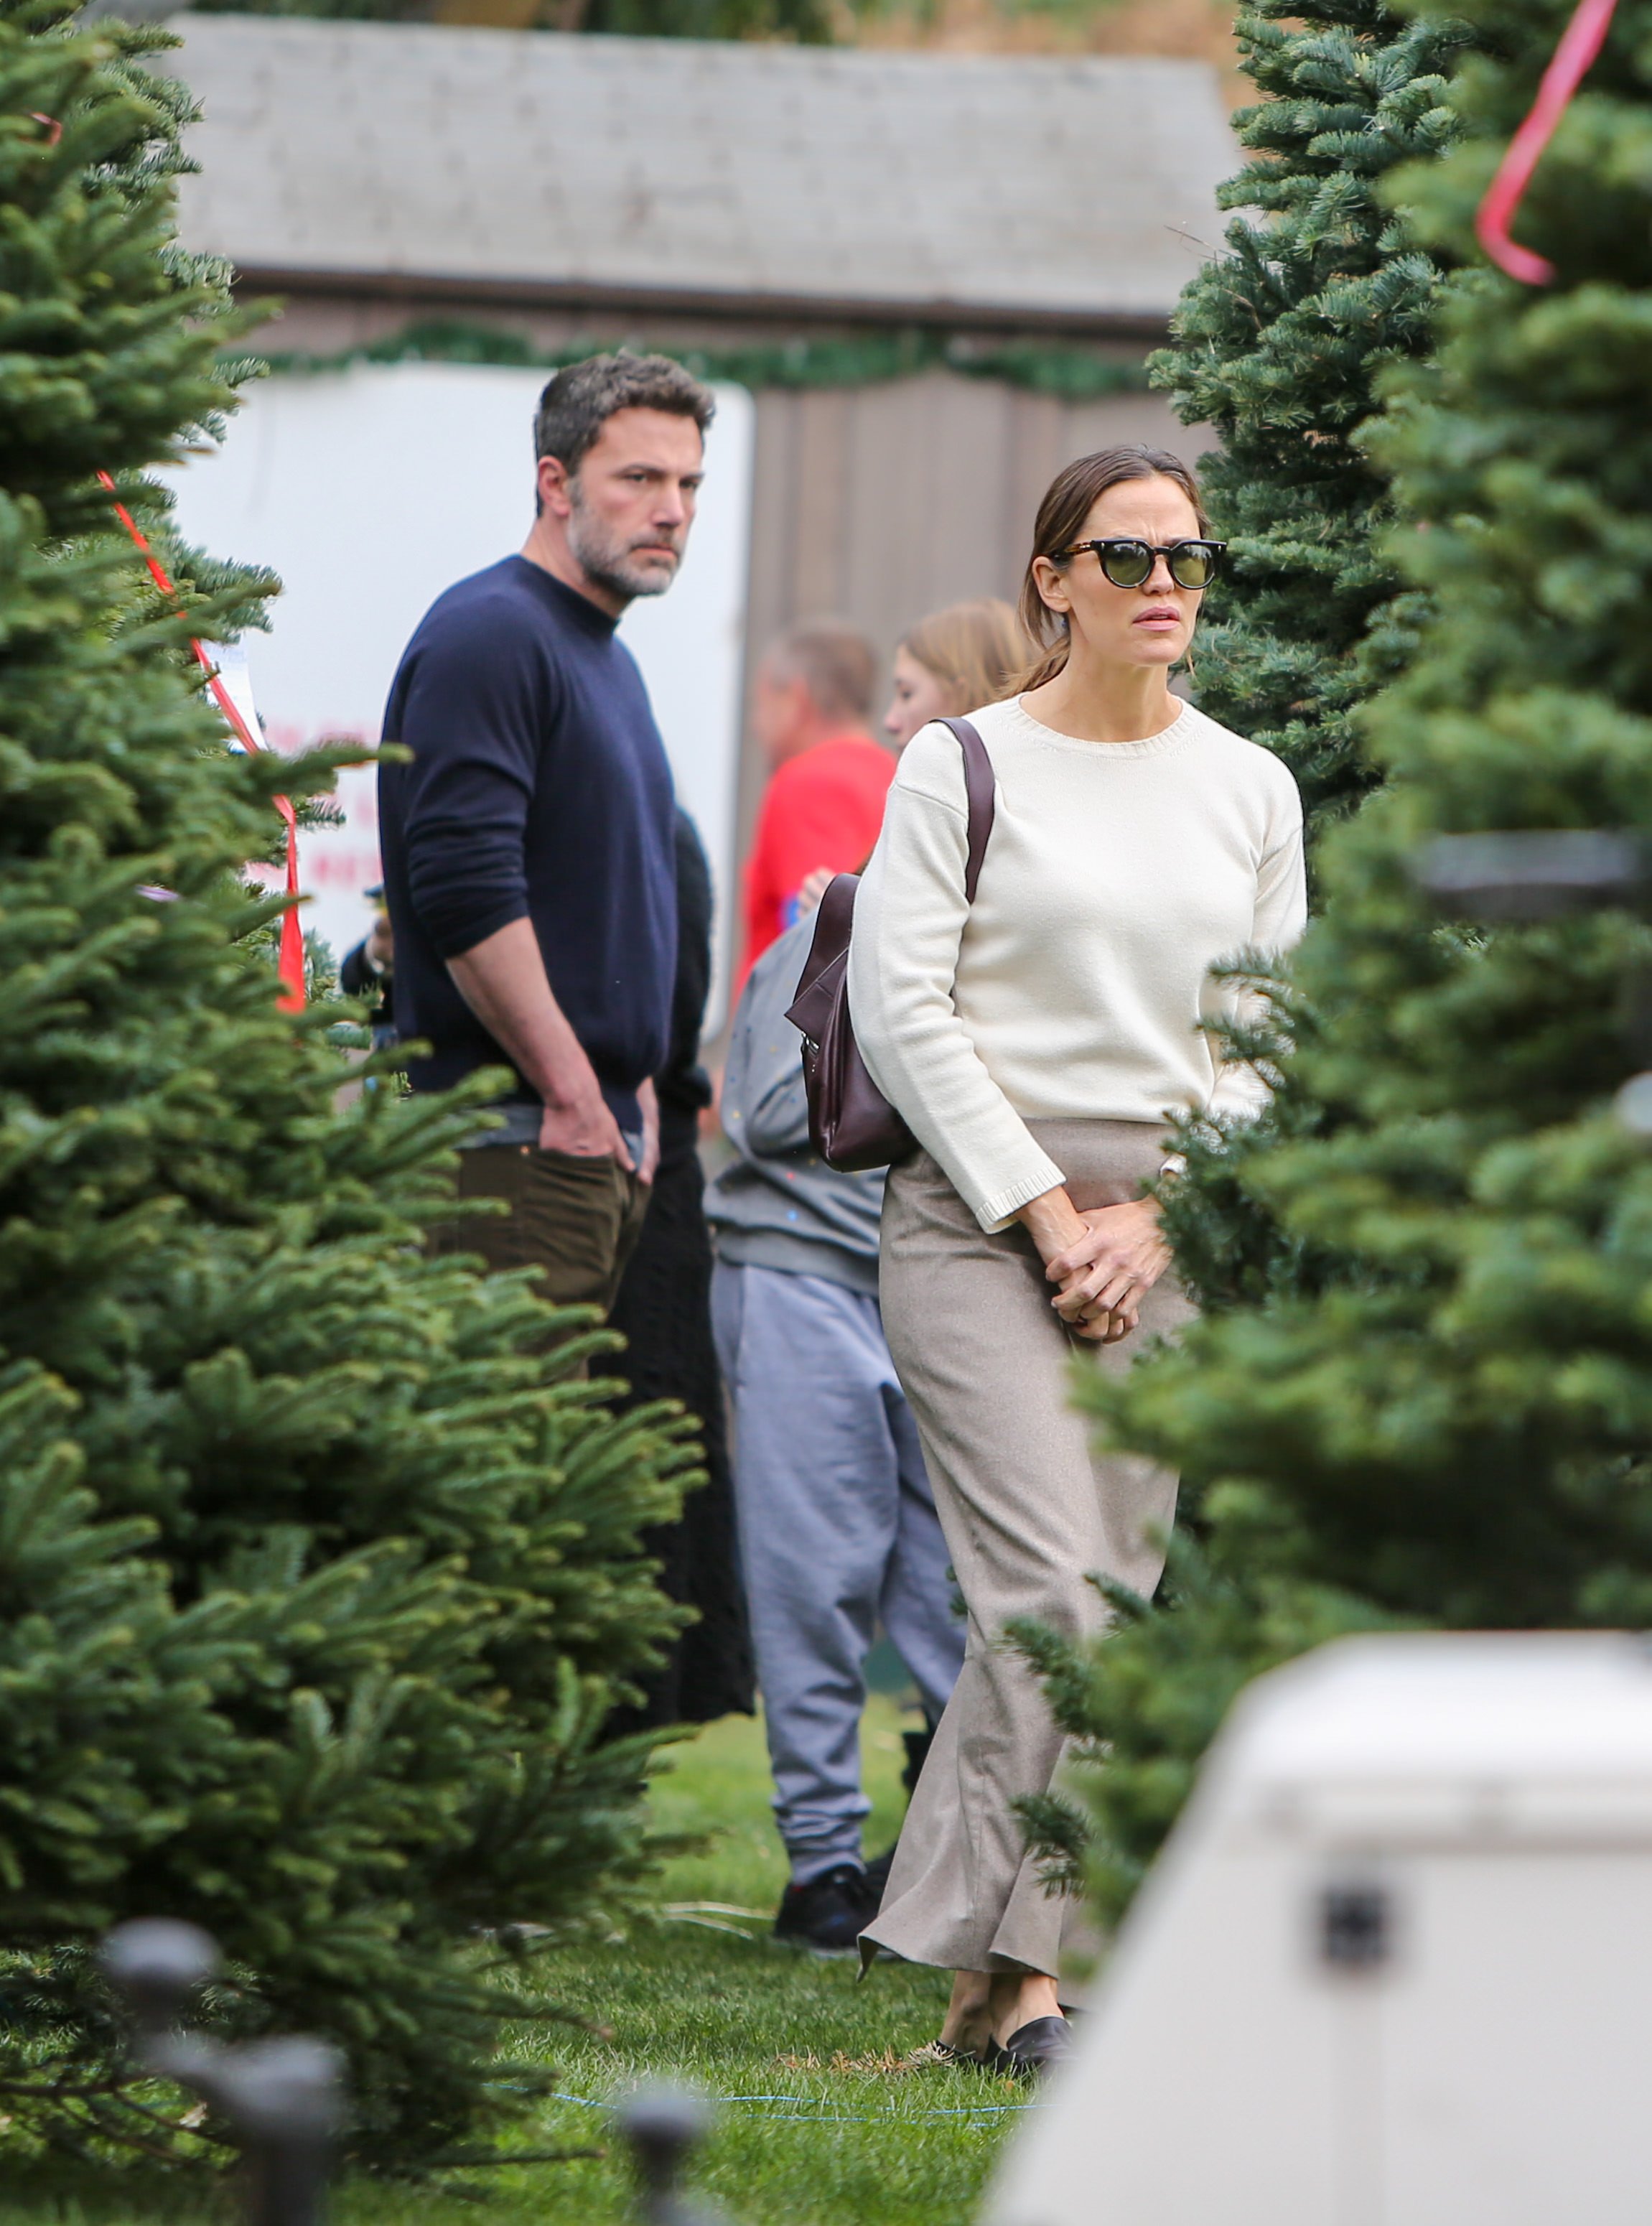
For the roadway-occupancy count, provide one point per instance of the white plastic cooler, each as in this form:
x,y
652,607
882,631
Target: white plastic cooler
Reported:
x,y
1394,1966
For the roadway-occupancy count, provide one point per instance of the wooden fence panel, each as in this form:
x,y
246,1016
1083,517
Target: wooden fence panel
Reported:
x,y
878,503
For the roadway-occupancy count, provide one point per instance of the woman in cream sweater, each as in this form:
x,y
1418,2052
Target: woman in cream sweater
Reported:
x,y
1036,1043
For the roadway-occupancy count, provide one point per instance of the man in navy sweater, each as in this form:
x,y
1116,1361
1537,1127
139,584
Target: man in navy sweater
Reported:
x,y
528,841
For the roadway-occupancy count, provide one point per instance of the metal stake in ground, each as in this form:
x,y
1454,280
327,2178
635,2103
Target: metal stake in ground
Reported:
x,y
283,2098
664,2126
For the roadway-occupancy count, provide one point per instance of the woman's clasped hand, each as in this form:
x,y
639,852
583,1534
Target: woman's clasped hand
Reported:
x,y
1105,1274
1106,1259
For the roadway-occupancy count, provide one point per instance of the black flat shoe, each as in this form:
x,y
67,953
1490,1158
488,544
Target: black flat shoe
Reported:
x,y
1033,2049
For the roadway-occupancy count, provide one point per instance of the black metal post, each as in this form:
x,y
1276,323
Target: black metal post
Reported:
x,y
283,2098
1535,874
664,2126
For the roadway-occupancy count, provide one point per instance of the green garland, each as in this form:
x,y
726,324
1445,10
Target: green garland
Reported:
x,y
1068,370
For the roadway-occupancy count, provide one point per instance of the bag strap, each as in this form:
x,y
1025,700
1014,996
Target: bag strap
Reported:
x,y
978,785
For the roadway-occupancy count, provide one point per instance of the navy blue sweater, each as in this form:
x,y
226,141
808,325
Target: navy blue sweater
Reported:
x,y
538,789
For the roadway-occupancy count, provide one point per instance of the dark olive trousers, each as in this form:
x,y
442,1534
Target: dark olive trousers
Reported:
x,y
575,1218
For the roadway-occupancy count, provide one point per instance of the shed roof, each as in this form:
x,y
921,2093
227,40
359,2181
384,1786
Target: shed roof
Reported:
x,y
682,173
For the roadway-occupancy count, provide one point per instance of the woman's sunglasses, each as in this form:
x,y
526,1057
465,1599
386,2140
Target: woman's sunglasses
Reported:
x,y
1129,563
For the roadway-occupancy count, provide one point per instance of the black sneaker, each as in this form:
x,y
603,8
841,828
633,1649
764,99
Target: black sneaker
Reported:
x,y
825,1915
877,1879
917,1744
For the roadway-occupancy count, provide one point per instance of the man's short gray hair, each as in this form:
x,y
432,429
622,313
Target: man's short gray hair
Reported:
x,y
835,662
578,402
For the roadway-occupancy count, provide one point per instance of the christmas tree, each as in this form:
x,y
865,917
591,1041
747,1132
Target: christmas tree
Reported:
x,y
1277,346
320,1572
1454,1432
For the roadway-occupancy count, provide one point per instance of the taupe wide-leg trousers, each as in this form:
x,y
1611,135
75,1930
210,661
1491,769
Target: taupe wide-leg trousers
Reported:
x,y
1029,1509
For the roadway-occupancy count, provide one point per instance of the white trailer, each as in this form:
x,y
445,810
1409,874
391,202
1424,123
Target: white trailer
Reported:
x,y
1395,1966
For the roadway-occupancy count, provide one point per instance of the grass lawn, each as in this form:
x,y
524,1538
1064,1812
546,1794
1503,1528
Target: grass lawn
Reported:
x,y
816,2127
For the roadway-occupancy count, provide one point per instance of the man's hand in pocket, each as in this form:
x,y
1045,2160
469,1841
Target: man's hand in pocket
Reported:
x,y
585,1128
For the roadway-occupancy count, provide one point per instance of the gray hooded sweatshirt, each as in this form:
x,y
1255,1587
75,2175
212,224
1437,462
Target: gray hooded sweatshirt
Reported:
x,y
777,1205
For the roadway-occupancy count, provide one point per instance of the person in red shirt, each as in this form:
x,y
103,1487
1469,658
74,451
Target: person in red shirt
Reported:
x,y
824,806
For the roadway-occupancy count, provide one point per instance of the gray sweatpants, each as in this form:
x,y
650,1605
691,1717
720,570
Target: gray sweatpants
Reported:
x,y
837,1529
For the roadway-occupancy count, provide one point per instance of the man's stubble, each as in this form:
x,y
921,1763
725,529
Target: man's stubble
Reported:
x,y
604,560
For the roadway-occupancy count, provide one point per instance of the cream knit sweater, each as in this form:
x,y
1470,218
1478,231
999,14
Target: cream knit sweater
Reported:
x,y
1117,875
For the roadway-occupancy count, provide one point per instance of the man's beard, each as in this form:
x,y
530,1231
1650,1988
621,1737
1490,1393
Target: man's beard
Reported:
x,y
605,562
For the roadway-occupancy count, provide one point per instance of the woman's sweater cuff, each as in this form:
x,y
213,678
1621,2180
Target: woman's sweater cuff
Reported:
x,y
997,1212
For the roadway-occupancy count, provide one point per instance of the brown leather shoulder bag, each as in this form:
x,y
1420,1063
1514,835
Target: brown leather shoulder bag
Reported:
x,y
851,1123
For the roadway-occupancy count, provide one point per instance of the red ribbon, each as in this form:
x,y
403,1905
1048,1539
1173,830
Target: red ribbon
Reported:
x,y
291,967
1580,42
